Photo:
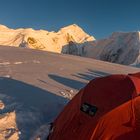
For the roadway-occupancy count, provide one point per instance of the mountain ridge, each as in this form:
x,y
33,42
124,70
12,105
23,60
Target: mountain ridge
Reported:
x,y
43,39
119,47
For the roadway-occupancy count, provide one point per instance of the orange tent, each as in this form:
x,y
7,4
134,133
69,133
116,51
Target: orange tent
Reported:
x,y
122,123
80,118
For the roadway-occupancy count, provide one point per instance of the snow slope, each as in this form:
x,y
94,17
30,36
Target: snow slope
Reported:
x,y
35,85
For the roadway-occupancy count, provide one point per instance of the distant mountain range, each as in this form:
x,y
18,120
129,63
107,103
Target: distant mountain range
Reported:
x,y
41,39
120,47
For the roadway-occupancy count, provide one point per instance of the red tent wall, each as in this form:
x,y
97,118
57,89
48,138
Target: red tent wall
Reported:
x,y
106,93
117,124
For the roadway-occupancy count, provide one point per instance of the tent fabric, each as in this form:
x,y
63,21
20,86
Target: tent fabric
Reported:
x,y
117,124
135,74
106,93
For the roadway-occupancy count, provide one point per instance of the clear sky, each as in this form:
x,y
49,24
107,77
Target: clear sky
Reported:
x,y
97,17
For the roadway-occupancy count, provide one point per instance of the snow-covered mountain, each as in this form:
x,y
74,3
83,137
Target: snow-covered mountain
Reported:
x,y
36,85
42,39
120,47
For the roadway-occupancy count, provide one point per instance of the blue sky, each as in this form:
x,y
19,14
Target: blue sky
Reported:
x,y
97,17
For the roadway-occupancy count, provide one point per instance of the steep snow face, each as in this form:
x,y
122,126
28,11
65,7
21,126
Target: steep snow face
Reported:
x,y
41,39
120,47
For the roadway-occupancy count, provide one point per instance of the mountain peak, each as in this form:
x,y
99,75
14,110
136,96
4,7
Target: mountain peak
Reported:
x,y
77,32
71,27
42,39
120,33
3,27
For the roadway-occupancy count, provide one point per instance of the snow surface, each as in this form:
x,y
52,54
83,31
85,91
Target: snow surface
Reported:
x,y
38,89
